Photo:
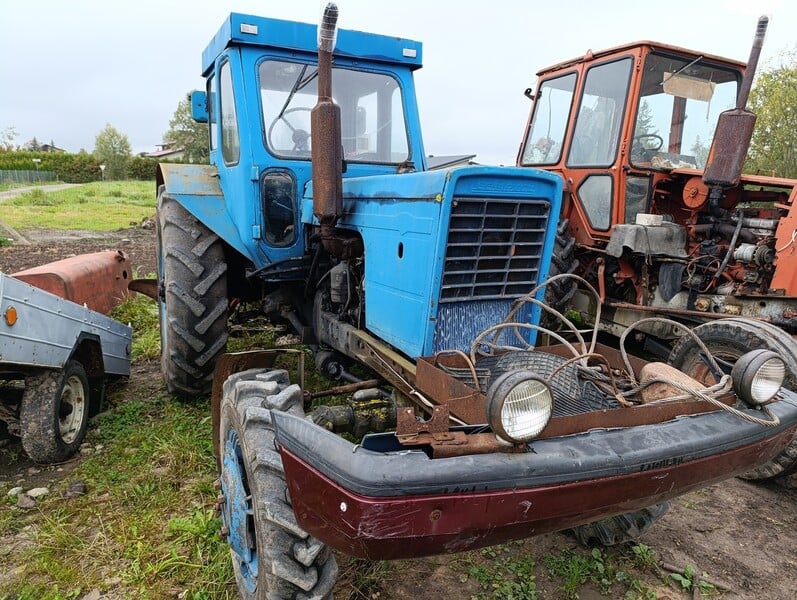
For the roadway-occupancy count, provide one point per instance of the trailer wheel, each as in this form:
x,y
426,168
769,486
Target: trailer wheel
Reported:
x,y
192,289
728,339
559,293
621,528
54,413
272,556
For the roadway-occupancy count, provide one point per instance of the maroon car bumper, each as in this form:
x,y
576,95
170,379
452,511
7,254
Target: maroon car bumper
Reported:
x,y
387,505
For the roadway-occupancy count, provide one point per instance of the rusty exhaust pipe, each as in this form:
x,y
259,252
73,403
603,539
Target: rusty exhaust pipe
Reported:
x,y
325,129
734,128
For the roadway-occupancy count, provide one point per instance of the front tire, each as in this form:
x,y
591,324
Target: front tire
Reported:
x,y
559,293
620,529
192,284
729,339
272,556
54,413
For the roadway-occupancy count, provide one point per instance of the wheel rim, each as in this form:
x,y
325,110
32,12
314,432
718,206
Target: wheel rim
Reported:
x,y
700,371
71,409
237,513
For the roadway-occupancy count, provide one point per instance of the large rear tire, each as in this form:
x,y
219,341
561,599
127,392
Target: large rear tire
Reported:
x,y
272,556
54,413
728,339
192,284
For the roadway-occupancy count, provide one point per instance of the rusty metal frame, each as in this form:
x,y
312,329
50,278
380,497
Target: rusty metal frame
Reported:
x,y
235,362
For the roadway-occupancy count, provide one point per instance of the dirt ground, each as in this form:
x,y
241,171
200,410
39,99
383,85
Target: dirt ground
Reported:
x,y
742,534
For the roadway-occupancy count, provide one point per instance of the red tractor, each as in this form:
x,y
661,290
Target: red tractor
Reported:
x,y
650,140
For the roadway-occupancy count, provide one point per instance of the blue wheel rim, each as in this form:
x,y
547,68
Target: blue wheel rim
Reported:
x,y
237,513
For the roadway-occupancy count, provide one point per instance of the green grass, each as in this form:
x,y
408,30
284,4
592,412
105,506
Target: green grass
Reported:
x,y
101,206
141,313
146,525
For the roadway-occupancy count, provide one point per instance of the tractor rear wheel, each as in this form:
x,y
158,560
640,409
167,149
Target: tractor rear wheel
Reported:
x,y
272,556
192,289
728,339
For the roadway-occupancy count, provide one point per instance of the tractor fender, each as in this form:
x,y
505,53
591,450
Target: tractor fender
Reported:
x,y
196,187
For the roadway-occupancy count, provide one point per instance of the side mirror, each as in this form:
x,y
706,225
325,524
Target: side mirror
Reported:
x,y
199,106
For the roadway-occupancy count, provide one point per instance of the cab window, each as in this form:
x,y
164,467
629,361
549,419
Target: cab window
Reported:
x,y
680,101
230,142
600,115
546,134
373,127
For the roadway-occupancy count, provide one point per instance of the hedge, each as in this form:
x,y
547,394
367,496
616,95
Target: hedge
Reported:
x,y
74,168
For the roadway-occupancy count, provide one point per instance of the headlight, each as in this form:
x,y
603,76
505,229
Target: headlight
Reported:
x,y
757,376
519,406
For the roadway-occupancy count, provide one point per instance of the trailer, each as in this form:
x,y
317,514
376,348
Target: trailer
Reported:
x,y
56,354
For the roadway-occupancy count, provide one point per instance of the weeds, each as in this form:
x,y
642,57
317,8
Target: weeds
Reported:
x,y
689,578
599,569
147,522
502,572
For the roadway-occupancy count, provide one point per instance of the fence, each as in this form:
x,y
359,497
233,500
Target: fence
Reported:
x,y
26,177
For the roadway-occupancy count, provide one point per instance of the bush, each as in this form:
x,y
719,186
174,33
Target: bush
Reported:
x,y
74,168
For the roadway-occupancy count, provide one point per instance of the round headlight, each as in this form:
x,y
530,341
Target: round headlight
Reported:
x,y
757,376
519,406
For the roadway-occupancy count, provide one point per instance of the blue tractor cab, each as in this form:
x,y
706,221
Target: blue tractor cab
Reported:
x,y
433,257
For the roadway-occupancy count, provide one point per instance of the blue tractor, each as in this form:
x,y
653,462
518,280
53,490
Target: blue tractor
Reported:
x,y
319,206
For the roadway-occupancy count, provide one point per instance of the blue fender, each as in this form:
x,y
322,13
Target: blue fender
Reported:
x,y
196,187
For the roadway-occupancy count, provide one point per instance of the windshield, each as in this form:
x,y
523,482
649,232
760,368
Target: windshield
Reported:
x,y
680,101
372,113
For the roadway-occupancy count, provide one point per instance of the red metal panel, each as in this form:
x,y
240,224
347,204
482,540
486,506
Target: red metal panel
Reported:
x,y
403,527
98,281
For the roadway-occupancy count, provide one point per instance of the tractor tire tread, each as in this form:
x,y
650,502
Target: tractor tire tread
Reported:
x,y
194,273
292,564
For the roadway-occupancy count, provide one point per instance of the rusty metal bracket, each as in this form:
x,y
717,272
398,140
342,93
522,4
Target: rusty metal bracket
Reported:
x,y
408,427
231,363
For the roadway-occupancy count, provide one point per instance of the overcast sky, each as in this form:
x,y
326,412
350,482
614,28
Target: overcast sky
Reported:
x,y
68,67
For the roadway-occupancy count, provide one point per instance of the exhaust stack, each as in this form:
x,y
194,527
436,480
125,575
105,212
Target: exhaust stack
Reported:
x,y
735,127
326,155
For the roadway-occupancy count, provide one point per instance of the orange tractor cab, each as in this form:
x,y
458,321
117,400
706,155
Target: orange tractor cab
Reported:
x,y
650,141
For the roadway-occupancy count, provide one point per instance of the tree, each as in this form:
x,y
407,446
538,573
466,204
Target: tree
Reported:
x,y
700,151
186,133
644,121
7,137
113,150
773,99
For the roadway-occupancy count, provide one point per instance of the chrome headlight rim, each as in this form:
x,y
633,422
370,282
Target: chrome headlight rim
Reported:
x,y
758,376
501,391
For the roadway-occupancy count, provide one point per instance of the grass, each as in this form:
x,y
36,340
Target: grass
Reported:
x,y
141,313
101,206
147,524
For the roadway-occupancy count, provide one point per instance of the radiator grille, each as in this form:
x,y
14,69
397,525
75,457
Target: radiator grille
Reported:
x,y
494,248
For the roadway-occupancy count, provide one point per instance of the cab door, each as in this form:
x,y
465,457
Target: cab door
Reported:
x,y
594,158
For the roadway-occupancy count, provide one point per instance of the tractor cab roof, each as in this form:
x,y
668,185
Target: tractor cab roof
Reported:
x,y
590,56
249,30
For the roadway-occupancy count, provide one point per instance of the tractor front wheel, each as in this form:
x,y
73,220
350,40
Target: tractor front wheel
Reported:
x,y
729,339
272,556
192,289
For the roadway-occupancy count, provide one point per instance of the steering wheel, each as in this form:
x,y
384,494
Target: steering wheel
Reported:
x,y
643,151
300,137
